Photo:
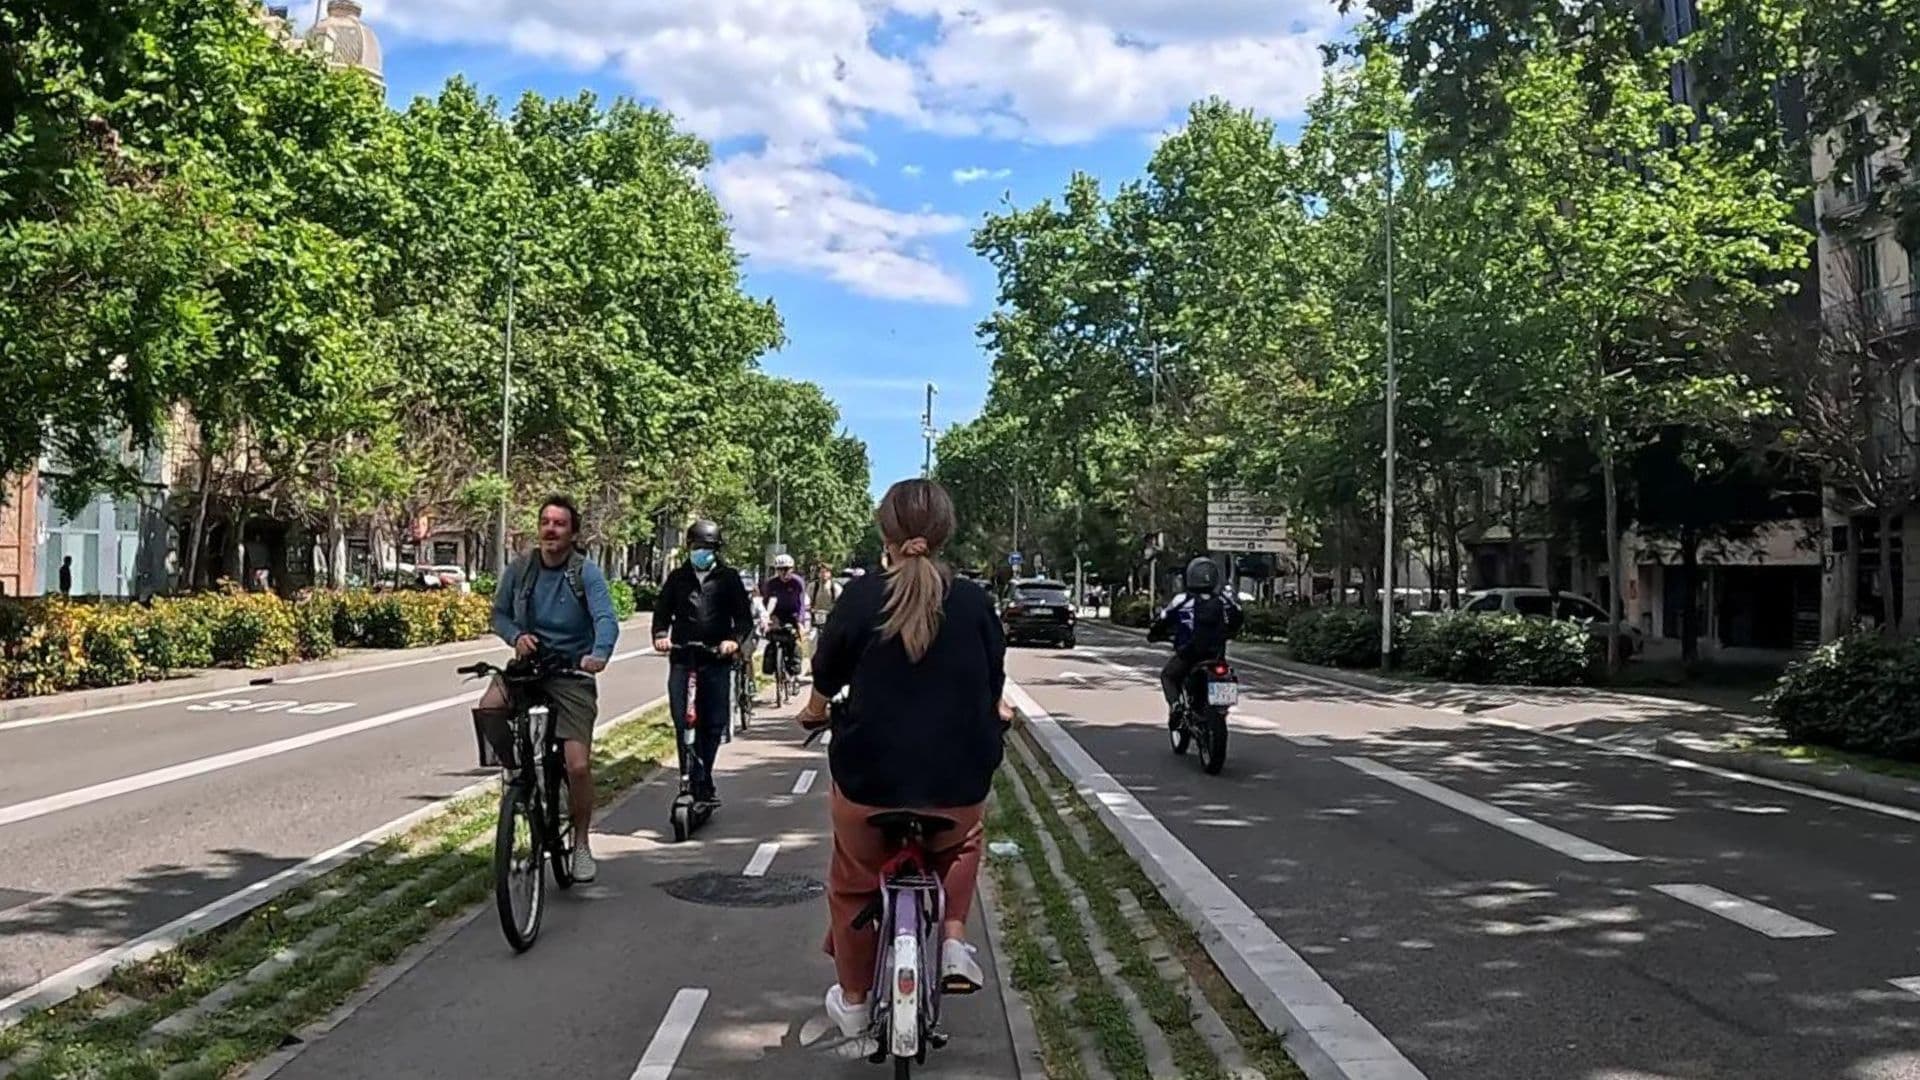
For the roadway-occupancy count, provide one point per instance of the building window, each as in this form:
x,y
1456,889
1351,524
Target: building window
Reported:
x,y
1857,182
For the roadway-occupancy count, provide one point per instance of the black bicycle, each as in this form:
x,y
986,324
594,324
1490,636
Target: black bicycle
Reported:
x,y
744,686
536,808
783,642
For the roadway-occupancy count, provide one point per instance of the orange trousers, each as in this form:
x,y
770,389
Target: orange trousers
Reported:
x,y
853,880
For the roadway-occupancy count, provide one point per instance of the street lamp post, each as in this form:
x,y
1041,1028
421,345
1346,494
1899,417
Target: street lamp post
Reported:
x,y
927,432
1386,560
506,423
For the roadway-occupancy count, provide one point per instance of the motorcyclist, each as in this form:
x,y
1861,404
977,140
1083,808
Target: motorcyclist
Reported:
x,y
702,602
1199,622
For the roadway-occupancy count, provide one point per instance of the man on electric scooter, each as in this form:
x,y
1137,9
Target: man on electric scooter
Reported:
x,y
1200,621
703,602
556,600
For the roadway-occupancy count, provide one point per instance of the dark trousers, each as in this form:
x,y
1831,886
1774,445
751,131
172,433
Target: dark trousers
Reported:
x,y
713,697
1174,676
783,648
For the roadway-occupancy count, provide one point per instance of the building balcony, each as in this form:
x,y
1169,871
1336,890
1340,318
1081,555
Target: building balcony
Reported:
x,y
1890,311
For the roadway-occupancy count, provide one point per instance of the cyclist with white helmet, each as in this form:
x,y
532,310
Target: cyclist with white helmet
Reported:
x,y
786,597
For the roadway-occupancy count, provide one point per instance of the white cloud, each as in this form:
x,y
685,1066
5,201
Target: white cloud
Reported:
x,y
806,78
975,174
797,216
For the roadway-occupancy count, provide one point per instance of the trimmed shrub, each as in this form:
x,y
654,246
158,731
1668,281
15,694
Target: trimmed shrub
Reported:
x,y
646,596
1335,637
484,583
623,600
173,636
1133,611
313,613
1507,649
251,629
1861,693
1266,623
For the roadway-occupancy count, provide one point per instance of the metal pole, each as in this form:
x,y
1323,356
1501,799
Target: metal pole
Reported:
x,y
506,422
926,430
1386,561
779,519
1016,518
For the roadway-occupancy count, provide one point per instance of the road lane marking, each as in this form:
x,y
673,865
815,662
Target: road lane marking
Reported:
x,y
1278,983
762,859
1754,916
67,800
1304,740
1545,835
663,1053
805,782
1911,984
1721,771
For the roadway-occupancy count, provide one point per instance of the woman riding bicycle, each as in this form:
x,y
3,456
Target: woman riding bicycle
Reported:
x,y
921,731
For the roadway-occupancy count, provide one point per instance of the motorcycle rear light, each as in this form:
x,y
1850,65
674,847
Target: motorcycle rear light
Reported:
x,y
1220,669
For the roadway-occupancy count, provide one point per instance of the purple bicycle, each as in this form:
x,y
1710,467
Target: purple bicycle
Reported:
x,y
911,908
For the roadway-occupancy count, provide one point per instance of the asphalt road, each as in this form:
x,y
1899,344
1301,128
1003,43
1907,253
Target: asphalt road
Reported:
x,y
116,824
631,979
1505,905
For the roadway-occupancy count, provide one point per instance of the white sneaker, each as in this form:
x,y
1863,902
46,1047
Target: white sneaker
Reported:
x,y
959,971
852,1020
584,868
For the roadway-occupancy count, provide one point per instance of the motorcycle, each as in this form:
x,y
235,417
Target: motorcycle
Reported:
x,y
1200,716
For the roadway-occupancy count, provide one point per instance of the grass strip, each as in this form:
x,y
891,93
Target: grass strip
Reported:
x,y
1032,974
1163,1001
1097,1008
437,880
1826,755
1110,867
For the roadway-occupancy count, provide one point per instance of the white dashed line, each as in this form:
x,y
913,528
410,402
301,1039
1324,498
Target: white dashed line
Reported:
x,y
1305,740
1911,984
762,859
675,1029
1754,916
805,783
1526,828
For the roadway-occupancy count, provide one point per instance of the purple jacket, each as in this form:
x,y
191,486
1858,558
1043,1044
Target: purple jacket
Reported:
x,y
787,597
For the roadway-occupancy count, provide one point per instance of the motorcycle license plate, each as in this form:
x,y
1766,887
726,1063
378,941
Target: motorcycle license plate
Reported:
x,y
1223,693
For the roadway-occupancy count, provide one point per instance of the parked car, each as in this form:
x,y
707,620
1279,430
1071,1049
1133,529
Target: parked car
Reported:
x,y
1037,609
446,577
1546,604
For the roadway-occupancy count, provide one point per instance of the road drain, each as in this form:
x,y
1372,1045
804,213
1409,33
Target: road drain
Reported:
x,y
738,890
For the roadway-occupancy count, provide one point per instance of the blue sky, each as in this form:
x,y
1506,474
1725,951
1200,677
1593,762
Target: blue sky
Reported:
x,y
859,142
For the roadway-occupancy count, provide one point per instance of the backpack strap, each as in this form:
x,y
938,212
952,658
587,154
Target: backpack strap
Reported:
x,y
576,579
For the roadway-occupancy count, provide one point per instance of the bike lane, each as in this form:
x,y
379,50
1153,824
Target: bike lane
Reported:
x,y
700,959
1484,953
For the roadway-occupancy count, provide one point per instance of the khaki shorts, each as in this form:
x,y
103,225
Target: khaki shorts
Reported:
x,y
575,703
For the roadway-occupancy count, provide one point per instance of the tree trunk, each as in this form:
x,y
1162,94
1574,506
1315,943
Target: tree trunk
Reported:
x,y
1513,536
1889,622
199,535
1689,594
1613,544
1452,503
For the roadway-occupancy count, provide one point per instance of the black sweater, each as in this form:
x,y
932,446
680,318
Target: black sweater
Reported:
x,y
914,736
708,612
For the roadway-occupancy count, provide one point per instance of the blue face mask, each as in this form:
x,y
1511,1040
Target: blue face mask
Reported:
x,y
701,558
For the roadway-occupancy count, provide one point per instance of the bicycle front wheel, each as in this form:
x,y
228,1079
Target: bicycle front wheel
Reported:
x,y
519,881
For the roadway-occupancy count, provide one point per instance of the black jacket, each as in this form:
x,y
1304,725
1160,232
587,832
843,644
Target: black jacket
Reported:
x,y
914,735
709,613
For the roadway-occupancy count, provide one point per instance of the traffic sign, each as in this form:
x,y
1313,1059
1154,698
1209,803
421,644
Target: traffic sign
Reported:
x,y
1244,522
1014,560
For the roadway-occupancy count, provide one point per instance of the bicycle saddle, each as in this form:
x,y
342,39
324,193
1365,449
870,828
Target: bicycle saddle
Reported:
x,y
903,823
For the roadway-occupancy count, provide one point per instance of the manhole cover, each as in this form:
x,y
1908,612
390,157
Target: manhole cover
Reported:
x,y
738,890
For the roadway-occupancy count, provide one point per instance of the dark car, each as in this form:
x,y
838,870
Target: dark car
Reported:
x,y
1038,610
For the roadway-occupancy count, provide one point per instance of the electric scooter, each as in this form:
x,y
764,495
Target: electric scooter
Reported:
x,y
689,813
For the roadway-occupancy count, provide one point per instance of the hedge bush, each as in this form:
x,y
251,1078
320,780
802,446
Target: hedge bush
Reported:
x,y
1335,637
623,600
1511,650
1861,693
1135,611
646,596
49,646
1267,623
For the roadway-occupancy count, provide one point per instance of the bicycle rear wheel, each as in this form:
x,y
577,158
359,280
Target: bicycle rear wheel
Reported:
x,y
519,881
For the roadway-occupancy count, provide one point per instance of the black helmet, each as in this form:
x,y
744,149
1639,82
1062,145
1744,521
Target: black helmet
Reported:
x,y
705,534
1203,575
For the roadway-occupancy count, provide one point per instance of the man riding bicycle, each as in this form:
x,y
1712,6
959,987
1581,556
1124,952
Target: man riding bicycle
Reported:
x,y
557,602
1200,621
786,597
703,602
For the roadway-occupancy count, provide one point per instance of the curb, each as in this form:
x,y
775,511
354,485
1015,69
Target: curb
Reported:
x,y
1326,1037
1028,1062
219,680
96,969
1839,779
